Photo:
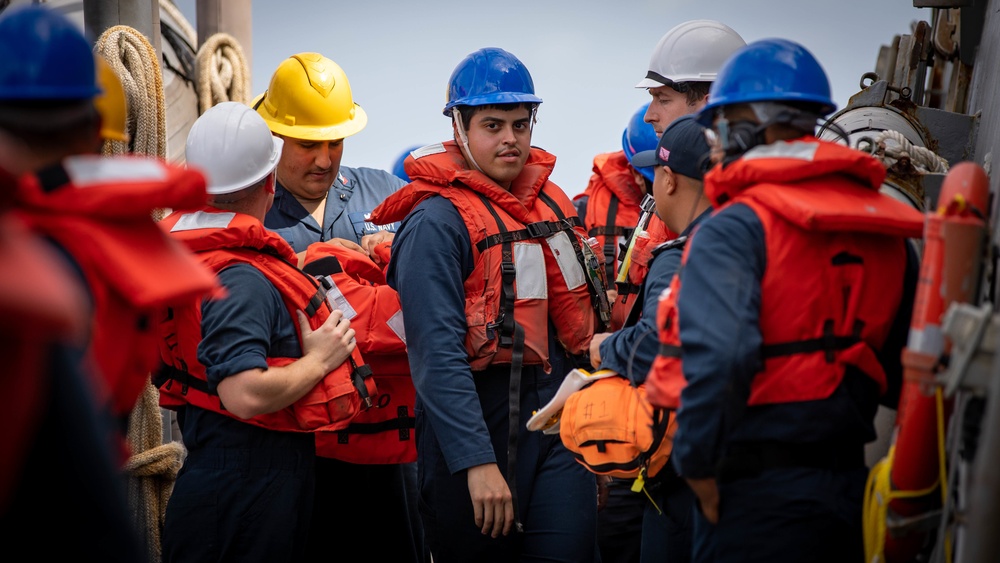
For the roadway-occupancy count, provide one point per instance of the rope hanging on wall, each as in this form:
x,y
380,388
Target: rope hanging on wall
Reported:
x,y
222,72
133,59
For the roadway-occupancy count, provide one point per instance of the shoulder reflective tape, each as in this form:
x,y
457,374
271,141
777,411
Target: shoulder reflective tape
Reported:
x,y
87,170
436,148
202,220
798,150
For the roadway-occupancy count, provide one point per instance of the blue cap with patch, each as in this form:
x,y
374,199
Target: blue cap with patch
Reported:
x,y
682,147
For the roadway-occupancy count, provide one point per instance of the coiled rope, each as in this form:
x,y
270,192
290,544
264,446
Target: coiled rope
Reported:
x,y
222,72
923,159
133,59
152,469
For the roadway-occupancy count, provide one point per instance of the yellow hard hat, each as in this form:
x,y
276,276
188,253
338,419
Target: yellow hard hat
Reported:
x,y
111,103
309,98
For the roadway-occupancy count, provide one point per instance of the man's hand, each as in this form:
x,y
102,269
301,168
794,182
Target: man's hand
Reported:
x,y
331,343
492,502
347,244
707,492
595,348
369,242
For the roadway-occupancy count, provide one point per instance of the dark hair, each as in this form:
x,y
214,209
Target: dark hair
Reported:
x,y
41,124
468,112
696,91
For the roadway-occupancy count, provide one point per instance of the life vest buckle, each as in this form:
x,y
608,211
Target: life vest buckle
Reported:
x,y
539,229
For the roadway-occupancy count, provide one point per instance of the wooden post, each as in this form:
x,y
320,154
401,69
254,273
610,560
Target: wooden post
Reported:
x,y
227,16
142,15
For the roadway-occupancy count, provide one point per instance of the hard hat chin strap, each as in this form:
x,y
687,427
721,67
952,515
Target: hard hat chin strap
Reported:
x,y
456,117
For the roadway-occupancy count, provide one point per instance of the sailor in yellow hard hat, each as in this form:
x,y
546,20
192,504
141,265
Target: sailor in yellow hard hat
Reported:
x,y
309,104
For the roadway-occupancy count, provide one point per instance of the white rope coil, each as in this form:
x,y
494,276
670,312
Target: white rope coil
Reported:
x,y
133,59
923,159
222,70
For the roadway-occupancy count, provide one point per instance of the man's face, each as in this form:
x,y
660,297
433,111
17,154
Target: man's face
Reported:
x,y
500,141
308,168
667,105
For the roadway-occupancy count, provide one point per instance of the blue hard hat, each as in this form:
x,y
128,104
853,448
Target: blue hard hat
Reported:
x,y
397,168
44,56
490,76
639,136
769,70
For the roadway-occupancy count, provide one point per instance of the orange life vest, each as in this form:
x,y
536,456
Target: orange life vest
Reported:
x,y
527,250
222,239
40,304
834,241
99,209
624,311
666,378
613,206
356,285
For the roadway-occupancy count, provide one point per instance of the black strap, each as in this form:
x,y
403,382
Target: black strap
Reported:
x,y
540,229
403,423
609,241
167,375
52,177
514,420
610,230
828,343
669,351
508,273
324,266
359,375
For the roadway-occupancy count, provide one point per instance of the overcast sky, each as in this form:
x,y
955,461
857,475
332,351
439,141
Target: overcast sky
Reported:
x,y
585,57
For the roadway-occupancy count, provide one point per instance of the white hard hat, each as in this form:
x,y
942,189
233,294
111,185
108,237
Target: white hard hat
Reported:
x,y
233,146
691,52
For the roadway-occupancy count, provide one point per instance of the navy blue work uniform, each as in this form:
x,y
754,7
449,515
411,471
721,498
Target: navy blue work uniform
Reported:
x,y
353,195
382,498
462,416
244,493
776,513
666,522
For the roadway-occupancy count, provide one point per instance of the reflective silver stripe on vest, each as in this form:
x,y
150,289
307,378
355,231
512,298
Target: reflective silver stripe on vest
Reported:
x,y
337,300
799,150
529,264
395,323
202,220
569,264
92,170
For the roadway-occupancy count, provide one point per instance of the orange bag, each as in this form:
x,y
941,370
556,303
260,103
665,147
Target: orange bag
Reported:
x,y
613,430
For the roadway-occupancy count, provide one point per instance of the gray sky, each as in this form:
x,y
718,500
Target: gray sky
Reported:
x,y
584,56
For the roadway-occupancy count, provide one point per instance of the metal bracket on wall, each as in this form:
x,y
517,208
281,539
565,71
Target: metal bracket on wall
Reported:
x,y
973,332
